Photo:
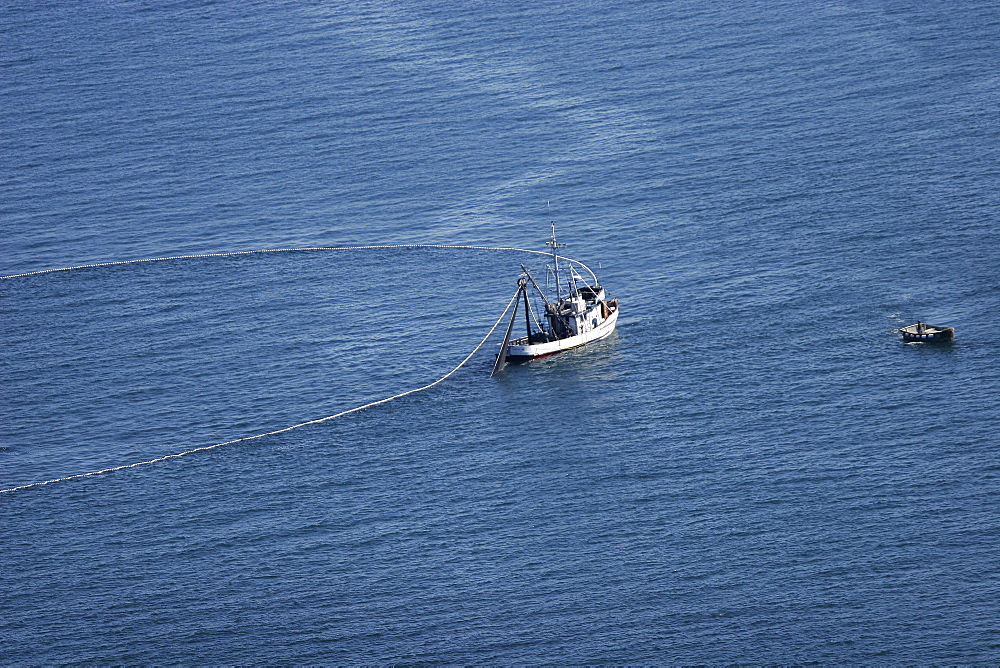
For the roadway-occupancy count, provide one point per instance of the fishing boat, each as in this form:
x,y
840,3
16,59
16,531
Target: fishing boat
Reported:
x,y
927,333
582,314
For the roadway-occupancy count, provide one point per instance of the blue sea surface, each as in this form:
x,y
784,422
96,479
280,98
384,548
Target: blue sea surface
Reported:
x,y
755,469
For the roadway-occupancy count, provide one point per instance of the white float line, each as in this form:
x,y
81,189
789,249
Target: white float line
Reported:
x,y
279,431
292,250
285,250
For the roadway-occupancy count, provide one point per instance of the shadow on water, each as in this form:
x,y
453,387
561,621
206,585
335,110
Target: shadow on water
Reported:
x,y
931,345
596,361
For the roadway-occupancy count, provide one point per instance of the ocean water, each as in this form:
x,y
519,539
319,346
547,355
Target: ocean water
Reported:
x,y
754,469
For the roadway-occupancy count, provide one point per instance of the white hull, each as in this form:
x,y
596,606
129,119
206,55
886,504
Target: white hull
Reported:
x,y
537,350
605,326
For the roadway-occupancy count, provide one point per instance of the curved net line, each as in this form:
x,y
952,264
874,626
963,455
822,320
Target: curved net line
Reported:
x,y
285,429
293,250
287,250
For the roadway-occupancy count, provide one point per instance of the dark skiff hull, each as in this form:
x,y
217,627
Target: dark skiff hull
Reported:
x,y
927,333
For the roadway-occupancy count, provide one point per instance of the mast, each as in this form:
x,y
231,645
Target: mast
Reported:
x,y
502,355
554,245
527,309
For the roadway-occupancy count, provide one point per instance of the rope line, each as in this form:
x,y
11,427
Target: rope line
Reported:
x,y
286,250
293,250
278,431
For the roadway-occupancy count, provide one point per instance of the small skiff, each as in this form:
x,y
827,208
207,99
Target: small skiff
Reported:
x,y
927,333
